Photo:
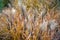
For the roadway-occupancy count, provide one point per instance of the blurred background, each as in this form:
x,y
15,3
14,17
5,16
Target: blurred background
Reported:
x,y
29,19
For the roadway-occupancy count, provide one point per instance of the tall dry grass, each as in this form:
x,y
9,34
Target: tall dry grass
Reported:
x,y
32,20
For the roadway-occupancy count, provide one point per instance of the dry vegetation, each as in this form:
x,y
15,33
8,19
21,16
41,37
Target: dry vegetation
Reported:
x,y
30,20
